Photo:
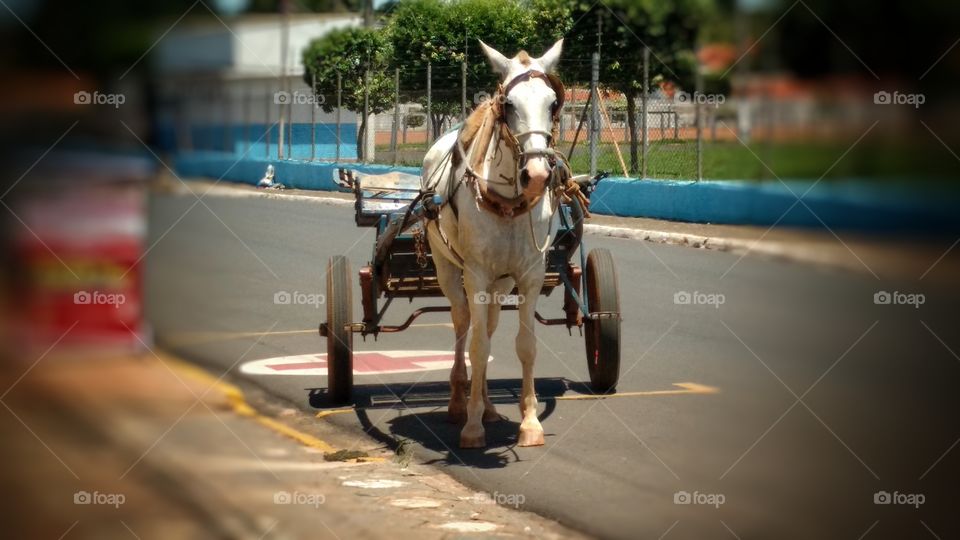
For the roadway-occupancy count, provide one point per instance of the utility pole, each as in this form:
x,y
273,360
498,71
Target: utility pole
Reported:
x,y
369,133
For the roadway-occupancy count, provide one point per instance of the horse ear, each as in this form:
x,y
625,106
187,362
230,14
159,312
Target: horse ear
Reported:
x,y
499,62
550,58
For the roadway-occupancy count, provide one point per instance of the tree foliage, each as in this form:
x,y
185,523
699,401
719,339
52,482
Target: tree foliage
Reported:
x,y
351,53
445,33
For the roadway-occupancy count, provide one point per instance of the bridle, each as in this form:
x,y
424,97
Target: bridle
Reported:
x,y
521,202
561,183
553,81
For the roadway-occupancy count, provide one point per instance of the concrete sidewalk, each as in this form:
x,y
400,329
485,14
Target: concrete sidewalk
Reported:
x,y
883,256
145,446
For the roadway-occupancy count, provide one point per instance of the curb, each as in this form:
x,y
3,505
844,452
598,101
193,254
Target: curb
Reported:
x,y
780,250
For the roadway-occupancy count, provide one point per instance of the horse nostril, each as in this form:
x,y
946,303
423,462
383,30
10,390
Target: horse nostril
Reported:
x,y
524,178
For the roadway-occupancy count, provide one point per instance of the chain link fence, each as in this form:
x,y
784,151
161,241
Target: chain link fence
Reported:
x,y
676,133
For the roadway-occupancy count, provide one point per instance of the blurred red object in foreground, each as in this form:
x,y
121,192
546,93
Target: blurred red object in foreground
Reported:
x,y
79,258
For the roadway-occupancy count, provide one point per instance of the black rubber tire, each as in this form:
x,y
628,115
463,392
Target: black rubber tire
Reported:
x,y
339,303
602,336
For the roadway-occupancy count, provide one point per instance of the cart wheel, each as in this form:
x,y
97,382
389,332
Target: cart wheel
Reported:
x,y
339,339
602,336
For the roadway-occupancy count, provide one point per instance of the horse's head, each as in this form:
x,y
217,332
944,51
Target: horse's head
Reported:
x,y
531,100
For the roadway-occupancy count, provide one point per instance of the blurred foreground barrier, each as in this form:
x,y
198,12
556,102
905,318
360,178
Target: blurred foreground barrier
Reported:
x,y
79,249
871,205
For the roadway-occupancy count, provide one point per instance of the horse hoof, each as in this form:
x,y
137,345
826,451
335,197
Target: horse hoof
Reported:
x,y
530,437
473,441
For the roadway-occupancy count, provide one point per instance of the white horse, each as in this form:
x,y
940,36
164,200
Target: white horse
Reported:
x,y
493,230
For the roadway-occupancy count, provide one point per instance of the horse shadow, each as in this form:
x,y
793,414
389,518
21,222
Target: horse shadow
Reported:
x,y
430,428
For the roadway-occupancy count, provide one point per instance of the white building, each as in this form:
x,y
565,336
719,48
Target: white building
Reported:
x,y
222,83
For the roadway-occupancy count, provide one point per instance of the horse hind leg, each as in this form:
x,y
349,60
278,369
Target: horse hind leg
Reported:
x,y
473,434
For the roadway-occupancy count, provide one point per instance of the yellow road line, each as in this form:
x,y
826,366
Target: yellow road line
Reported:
x,y
684,388
240,406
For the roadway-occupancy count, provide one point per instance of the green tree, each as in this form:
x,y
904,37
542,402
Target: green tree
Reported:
x,y
351,52
624,28
444,33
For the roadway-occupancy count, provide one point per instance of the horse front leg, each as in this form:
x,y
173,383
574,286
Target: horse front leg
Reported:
x,y
473,434
450,279
531,432
500,288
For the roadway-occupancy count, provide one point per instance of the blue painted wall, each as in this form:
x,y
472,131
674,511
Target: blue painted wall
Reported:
x,y
253,137
316,175
863,205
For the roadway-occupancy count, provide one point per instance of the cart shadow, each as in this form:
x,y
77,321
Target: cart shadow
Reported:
x,y
420,417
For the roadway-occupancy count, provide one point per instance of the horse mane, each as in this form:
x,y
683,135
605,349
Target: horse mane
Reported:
x,y
477,132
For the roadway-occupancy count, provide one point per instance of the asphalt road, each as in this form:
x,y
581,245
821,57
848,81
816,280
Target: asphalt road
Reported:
x,y
824,398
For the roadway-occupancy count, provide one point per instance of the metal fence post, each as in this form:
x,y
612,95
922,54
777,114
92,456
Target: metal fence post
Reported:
x,y
463,90
227,111
594,112
366,115
339,97
699,119
643,110
266,122
429,104
396,115
247,104
289,119
313,117
282,126
182,125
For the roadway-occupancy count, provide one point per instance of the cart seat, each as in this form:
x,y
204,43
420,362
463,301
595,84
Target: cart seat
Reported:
x,y
379,194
